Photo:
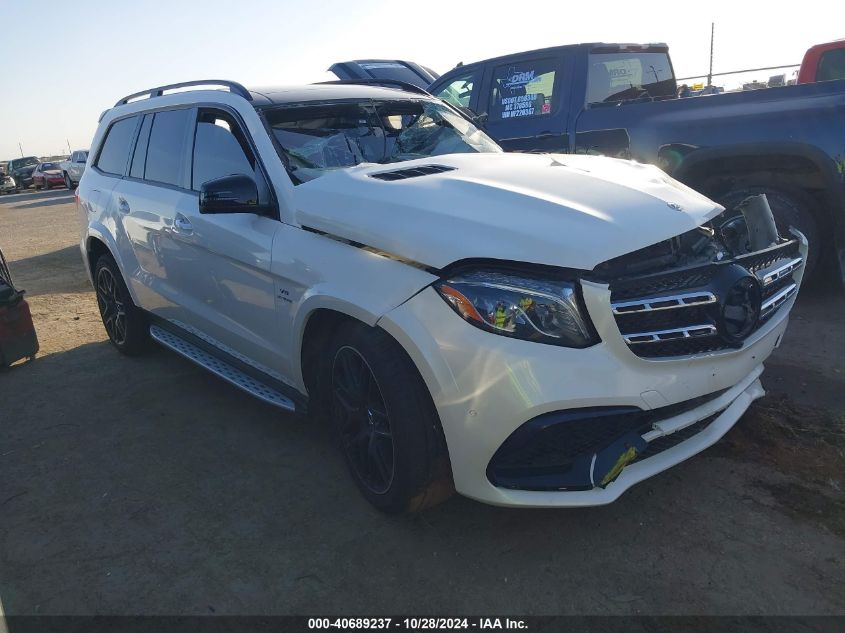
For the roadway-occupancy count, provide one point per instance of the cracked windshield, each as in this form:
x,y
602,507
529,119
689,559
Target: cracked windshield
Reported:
x,y
322,138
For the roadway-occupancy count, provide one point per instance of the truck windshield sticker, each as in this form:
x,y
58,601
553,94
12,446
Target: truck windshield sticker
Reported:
x,y
523,90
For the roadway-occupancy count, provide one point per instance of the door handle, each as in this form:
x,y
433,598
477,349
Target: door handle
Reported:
x,y
182,223
122,205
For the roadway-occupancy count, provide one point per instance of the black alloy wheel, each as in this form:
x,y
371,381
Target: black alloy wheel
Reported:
x,y
363,420
112,307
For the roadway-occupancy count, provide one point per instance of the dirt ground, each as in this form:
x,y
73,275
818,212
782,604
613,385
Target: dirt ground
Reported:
x,y
147,486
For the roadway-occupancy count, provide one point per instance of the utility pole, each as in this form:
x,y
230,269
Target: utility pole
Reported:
x,y
710,74
20,147
69,150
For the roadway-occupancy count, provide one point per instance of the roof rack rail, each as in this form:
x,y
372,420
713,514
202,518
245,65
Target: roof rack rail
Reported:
x,y
233,87
404,85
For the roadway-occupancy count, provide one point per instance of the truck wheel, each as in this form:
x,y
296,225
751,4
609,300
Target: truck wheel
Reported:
x,y
386,422
790,208
68,181
125,323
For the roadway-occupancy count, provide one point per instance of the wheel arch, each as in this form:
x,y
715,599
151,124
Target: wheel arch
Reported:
x,y
315,337
784,166
100,242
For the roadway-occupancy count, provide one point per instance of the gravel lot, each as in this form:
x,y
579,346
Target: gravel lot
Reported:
x,y
147,486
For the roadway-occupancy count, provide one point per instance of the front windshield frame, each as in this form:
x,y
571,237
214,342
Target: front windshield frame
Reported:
x,y
375,111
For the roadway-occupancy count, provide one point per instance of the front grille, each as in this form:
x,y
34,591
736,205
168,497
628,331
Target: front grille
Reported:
x,y
675,313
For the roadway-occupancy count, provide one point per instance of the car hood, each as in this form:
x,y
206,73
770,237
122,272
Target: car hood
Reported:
x,y
555,209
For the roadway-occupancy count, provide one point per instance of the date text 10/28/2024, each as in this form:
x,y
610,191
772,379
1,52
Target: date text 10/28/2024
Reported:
x,y
417,624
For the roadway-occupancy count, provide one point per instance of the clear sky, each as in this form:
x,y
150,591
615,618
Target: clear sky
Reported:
x,y
65,61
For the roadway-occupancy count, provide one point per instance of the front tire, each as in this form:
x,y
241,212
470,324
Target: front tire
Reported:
x,y
125,323
386,423
68,181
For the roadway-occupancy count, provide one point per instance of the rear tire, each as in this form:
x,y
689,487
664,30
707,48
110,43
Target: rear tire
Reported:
x,y
790,208
385,421
125,323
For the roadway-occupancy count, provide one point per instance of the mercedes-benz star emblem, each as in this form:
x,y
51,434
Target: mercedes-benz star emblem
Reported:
x,y
739,304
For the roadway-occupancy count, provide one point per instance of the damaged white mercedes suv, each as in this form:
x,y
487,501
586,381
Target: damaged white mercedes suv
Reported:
x,y
529,330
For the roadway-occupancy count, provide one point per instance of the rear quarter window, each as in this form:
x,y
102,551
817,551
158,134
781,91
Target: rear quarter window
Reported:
x,y
625,76
115,150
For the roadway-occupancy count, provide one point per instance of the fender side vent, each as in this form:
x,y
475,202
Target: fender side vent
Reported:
x,y
411,172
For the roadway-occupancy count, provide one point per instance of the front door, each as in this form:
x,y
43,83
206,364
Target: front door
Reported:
x,y
226,286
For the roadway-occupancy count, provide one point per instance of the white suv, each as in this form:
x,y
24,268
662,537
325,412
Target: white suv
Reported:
x,y
530,329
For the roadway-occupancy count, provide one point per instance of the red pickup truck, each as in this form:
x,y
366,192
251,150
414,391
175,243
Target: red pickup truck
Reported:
x,y
823,62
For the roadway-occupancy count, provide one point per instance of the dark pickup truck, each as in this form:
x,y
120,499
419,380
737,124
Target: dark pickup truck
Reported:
x,y
621,100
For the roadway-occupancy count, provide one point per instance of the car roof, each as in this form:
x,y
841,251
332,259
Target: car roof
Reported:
x,y
604,47
279,95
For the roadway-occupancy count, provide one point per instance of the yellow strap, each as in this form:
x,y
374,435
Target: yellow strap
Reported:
x,y
624,459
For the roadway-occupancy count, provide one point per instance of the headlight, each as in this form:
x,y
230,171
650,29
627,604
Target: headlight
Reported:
x,y
545,311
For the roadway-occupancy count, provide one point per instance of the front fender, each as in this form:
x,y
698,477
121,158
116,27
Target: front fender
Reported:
x,y
315,272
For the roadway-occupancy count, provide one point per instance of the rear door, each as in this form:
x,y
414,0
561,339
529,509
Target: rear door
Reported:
x,y
147,202
527,102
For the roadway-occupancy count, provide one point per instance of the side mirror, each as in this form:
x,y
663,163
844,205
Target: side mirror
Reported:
x,y
481,119
230,194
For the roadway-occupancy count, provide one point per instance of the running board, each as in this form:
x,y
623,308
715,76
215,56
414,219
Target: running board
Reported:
x,y
221,368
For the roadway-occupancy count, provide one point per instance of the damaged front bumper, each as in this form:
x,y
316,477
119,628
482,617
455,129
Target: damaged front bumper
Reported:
x,y
596,454
667,405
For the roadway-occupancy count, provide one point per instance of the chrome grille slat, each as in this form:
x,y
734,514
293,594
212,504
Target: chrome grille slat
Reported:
x,y
767,278
652,304
658,336
773,303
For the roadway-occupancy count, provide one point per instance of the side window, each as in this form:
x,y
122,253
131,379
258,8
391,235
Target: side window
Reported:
x,y
166,147
115,150
523,89
220,149
74,157
140,156
458,92
832,65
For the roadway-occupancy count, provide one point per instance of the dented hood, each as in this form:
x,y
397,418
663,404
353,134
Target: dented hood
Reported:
x,y
561,210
